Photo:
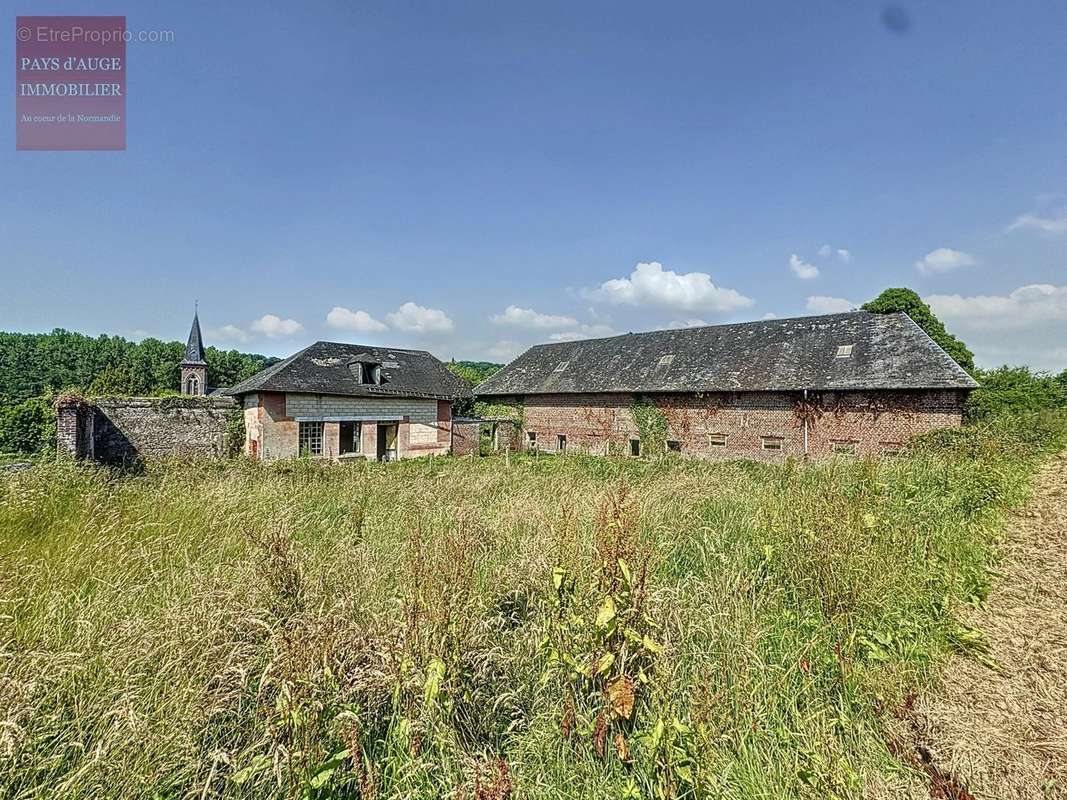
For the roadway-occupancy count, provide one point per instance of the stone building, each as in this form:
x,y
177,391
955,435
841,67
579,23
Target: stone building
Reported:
x,y
855,384
336,401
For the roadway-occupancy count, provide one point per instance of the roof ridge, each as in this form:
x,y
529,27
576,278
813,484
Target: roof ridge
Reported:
x,y
373,347
857,312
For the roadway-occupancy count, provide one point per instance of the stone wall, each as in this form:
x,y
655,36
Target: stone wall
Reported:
x,y
125,430
745,424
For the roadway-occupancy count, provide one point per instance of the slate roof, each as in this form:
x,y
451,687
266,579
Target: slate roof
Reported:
x,y
194,348
324,368
889,351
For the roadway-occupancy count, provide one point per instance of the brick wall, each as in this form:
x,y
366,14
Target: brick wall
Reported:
x,y
272,423
869,423
125,430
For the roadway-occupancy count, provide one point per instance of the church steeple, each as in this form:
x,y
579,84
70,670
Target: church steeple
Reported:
x,y
194,367
194,348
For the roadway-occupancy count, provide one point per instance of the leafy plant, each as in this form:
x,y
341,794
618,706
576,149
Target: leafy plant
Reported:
x,y
651,424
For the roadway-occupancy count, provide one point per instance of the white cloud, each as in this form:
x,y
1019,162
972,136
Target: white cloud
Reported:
x,y
649,284
345,319
802,269
944,259
1025,326
230,333
528,318
273,325
414,318
826,251
821,304
1056,223
1028,306
504,350
688,323
769,315
583,332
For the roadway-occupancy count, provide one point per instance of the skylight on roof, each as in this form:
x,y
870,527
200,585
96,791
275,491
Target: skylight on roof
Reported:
x,y
844,351
665,360
562,366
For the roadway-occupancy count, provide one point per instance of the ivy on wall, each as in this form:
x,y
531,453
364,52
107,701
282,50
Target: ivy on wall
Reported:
x,y
651,425
502,411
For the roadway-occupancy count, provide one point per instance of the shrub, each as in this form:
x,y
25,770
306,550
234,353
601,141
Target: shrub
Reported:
x,y
1014,389
28,427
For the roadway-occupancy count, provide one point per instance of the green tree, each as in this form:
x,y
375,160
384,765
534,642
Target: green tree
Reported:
x,y
892,300
473,372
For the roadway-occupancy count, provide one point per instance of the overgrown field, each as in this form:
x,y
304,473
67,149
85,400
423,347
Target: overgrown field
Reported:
x,y
572,627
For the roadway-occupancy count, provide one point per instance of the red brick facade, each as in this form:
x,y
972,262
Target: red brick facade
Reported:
x,y
769,426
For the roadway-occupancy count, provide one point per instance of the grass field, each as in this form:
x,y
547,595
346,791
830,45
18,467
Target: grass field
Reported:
x,y
574,627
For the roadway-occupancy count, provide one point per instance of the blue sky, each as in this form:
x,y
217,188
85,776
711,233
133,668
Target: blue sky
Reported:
x,y
476,177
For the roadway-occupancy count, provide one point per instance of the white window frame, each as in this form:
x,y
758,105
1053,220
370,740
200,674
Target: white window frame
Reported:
x,y
712,439
777,443
307,433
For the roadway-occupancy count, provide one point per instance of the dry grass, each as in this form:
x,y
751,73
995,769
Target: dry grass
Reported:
x,y
563,627
1002,725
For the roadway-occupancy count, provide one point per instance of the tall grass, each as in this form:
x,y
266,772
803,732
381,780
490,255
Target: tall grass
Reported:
x,y
572,627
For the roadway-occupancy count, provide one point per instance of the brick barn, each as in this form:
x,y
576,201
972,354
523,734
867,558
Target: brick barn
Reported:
x,y
855,383
338,401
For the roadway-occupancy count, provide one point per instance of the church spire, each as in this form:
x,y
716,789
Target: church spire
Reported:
x,y
194,348
194,366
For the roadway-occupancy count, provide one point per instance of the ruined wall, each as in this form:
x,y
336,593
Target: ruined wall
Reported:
x,y
869,423
125,430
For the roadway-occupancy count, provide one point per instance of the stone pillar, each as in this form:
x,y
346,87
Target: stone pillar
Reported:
x,y
331,440
69,420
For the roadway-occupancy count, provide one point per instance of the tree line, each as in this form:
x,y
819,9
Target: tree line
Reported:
x,y
35,367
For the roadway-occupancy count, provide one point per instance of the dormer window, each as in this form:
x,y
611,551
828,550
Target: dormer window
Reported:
x,y
844,351
367,372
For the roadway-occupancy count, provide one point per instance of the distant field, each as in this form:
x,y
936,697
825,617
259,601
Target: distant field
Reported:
x,y
553,628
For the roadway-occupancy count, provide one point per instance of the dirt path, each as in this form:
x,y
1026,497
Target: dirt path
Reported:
x,y
1003,734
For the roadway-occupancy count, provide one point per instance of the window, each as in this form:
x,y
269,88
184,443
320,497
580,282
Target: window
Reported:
x,y
674,446
773,442
531,440
635,447
665,361
561,443
891,448
844,351
367,372
351,438
561,366
844,448
192,386
309,438
717,440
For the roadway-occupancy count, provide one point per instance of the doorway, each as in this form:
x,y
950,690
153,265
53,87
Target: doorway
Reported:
x,y
387,442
